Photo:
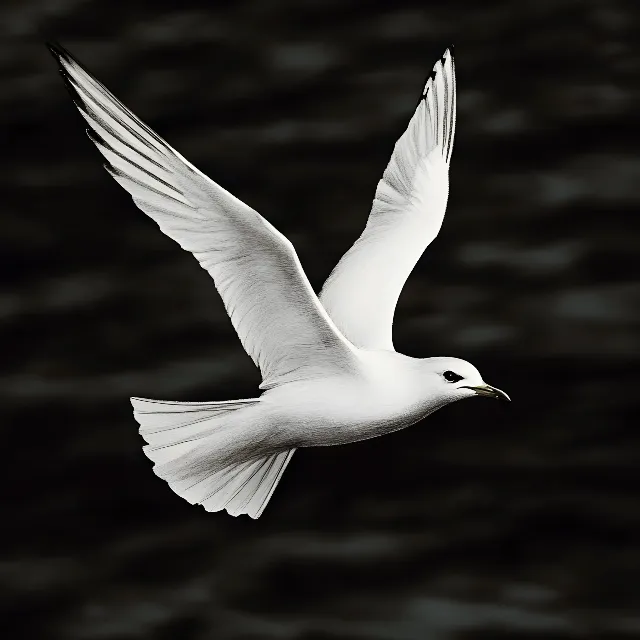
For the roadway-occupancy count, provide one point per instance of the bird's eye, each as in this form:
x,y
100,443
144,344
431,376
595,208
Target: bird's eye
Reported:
x,y
450,376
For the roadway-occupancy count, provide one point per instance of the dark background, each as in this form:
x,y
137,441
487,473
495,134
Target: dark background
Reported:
x,y
486,522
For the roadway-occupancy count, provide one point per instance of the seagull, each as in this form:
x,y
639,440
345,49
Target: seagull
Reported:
x,y
330,373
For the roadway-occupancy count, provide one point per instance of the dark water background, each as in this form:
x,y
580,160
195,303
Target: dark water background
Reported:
x,y
483,523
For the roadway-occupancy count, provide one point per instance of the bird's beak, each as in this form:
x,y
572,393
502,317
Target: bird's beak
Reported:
x,y
488,391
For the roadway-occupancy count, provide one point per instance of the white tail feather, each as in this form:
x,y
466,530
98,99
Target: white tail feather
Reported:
x,y
197,449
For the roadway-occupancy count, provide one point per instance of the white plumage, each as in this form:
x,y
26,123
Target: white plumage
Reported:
x,y
330,374
362,291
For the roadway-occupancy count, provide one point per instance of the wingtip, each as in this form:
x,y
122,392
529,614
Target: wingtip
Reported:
x,y
67,62
56,50
449,51
62,56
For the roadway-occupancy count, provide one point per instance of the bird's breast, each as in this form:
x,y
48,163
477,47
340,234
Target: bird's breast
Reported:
x,y
346,409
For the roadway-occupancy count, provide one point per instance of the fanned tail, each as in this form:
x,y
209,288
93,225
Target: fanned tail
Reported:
x,y
198,449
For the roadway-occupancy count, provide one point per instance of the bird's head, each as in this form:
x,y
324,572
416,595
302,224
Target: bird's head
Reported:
x,y
454,379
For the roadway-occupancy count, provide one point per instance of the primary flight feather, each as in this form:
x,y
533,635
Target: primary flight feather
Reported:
x,y
409,205
330,374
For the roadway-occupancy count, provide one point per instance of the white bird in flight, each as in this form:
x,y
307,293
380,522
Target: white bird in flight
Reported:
x,y
330,373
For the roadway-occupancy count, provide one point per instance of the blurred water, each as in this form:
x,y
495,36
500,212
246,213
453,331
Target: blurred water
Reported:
x,y
481,522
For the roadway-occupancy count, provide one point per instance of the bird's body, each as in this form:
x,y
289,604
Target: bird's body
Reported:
x,y
330,373
385,393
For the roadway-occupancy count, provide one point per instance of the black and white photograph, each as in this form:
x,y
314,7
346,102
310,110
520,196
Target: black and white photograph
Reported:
x,y
320,320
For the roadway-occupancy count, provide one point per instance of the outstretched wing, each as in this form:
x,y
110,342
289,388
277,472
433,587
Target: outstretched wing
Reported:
x,y
361,293
272,306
